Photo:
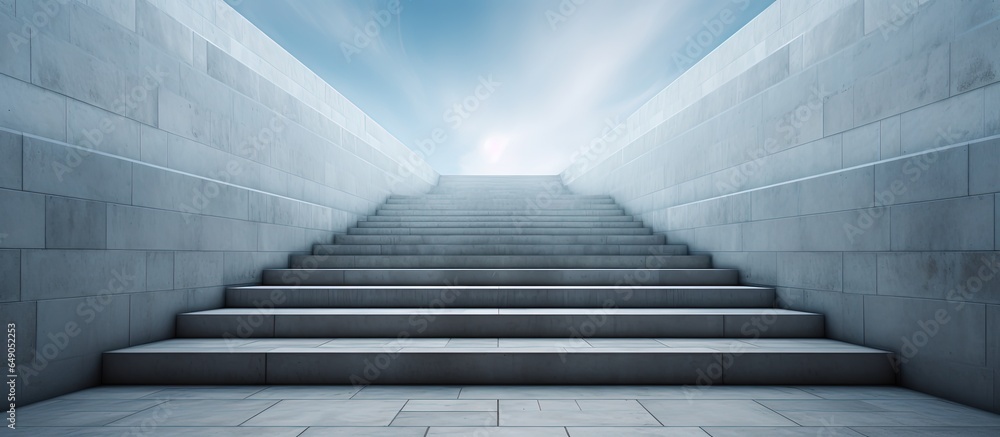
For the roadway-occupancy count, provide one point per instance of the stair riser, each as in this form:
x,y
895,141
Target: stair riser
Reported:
x,y
524,208
441,277
476,197
500,298
502,219
515,213
499,262
389,367
497,326
448,223
523,243
499,231
500,239
503,203
524,192
523,249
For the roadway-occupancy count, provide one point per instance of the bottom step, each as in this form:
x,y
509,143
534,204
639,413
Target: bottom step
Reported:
x,y
499,361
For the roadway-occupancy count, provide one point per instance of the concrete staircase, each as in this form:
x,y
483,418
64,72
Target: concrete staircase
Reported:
x,y
499,280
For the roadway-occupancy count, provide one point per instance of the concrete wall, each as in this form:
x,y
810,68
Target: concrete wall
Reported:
x,y
152,152
840,150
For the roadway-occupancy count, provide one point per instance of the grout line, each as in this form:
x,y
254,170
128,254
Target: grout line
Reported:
x,y
259,412
258,391
639,401
776,412
859,432
398,413
162,401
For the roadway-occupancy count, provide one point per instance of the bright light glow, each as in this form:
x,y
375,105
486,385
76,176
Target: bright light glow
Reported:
x,y
565,68
494,147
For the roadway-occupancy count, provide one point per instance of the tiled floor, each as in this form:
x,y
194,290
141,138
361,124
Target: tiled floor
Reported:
x,y
502,411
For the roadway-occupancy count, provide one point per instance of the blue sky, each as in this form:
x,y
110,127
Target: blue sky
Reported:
x,y
499,86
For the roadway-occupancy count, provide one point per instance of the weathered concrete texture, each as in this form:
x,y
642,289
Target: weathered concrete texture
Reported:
x,y
152,152
864,164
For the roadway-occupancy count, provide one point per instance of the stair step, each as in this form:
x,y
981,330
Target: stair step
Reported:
x,y
500,261
525,208
480,197
447,222
500,249
512,201
471,296
499,322
498,361
499,231
485,191
544,212
500,239
452,277
499,280
502,219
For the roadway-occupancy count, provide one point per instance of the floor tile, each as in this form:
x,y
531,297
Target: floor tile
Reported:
x,y
519,405
329,413
571,392
717,344
420,342
114,392
206,392
719,411
307,392
473,342
497,432
625,342
781,432
197,412
288,342
714,413
744,392
543,342
60,406
166,431
558,405
450,405
861,418
576,418
928,432
870,392
357,342
948,413
648,431
446,418
370,431
70,418
408,392
609,405
782,406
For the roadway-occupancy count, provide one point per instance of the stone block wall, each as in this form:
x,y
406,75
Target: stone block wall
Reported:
x,y
151,153
845,152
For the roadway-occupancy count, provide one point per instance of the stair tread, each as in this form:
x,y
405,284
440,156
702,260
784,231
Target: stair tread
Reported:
x,y
515,269
503,311
503,345
419,255
519,318
502,287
